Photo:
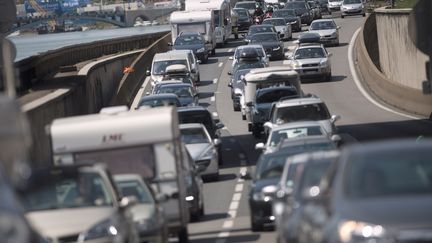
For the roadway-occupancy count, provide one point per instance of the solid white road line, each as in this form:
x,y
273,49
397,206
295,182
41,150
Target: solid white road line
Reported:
x,y
236,197
359,84
234,205
220,64
223,234
232,213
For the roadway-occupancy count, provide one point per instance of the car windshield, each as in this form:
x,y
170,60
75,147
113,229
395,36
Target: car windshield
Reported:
x,y
241,12
334,0
179,90
240,73
306,53
284,13
273,95
275,22
249,65
159,67
270,37
384,174
313,174
323,25
135,188
59,191
295,5
260,29
258,50
278,136
352,1
159,102
311,112
188,40
270,166
193,136
293,149
198,117
248,5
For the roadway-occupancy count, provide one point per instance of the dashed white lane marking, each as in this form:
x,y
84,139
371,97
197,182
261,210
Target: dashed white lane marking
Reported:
x,y
239,188
215,80
232,213
220,64
212,99
228,224
230,50
234,205
215,114
236,197
243,170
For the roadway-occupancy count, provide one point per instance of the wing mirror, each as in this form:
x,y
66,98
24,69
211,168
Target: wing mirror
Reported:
x,y
220,125
198,61
249,104
229,73
200,168
170,44
338,27
175,195
336,138
194,71
330,54
260,146
245,175
335,118
126,202
268,125
216,141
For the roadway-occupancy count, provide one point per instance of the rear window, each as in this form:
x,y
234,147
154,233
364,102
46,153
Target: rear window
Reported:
x,y
311,112
273,95
198,117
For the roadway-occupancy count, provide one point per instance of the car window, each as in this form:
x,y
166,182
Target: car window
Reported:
x,y
352,1
198,117
242,12
277,136
263,38
159,67
193,136
135,188
323,25
188,40
159,102
180,91
295,5
261,29
311,112
276,22
306,53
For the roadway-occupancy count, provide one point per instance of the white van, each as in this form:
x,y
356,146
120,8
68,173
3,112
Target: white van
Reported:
x,y
194,21
145,142
162,60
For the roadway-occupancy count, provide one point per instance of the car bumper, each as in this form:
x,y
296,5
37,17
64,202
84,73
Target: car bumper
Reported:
x,y
353,12
329,40
334,8
313,72
261,212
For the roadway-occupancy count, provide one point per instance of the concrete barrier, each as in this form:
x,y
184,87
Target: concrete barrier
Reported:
x,y
400,60
94,87
407,99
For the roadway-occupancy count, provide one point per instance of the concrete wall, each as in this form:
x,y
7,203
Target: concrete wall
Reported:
x,y
400,60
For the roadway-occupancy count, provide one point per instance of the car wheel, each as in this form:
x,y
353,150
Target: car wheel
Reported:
x,y
183,235
255,226
328,77
236,36
213,52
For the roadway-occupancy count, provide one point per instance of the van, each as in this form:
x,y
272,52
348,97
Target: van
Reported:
x,y
145,141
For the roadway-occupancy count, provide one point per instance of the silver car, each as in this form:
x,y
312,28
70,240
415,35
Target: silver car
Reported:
x,y
282,27
311,61
334,5
352,7
202,148
327,29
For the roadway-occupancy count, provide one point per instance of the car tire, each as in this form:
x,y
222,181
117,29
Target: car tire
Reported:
x,y
328,78
342,16
236,36
213,52
183,235
255,226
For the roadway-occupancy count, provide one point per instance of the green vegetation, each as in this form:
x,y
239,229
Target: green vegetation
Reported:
x,y
405,3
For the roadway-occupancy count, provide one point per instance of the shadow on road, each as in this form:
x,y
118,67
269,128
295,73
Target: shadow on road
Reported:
x,y
222,177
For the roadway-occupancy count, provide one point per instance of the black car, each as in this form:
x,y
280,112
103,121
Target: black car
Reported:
x,y
376,192
302,10
185,92
157,100
273,46
194,42
290,17
262,28
323,4
244,20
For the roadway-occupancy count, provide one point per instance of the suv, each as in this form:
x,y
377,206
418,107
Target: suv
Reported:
x,y
302,10
302,109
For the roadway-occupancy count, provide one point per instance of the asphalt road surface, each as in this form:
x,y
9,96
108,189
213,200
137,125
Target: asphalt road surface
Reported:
x,y
226,217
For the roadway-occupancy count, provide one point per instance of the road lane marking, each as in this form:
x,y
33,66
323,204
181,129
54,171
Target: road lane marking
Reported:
x,y
230,50
239,188
215,80
243,170
360,85
228,224
220,64
234,205
215,114
232,213
212,99
236,197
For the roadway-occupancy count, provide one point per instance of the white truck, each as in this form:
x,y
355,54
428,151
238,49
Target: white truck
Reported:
x,y
194,21
145,142
222,16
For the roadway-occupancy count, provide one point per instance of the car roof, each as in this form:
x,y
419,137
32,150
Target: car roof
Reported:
x,y
173,84
191,125
261,25
299,101
295,124
274,18
265,33
307,45
262,74
171,55
249,46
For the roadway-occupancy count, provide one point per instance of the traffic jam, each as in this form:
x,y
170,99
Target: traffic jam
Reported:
x,y
137,174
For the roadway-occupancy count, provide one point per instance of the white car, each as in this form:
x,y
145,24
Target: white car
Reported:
x,y
202,148
282,27
352,7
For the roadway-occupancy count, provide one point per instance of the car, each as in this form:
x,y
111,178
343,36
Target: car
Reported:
x,y
271,43
377,191
78,203
157,100
290,17
244,19
268,174
302,109
261,28
185,92
352,7
301,172
327,29
179,72
309,37
311,61
283,28
147,214
334,5
293,130
302,10
237,88
316,10
202,148
194,42
241,53
323,4
259,108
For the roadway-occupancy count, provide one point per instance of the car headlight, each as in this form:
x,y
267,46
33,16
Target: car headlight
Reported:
x,y
324,63
349,230
201,49
296,64
100,230
276,48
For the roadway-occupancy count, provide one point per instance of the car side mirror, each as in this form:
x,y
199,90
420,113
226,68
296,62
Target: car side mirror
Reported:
x,y
194,71
216,141
268,55
229,73
200,168
338,27
336,138
245,175
260,146
170,44
231,58
161,197
230,85
283,194
147,93
330,54
220,126
335,118
148,73
198,61
207,42
288,56
126,202
175,195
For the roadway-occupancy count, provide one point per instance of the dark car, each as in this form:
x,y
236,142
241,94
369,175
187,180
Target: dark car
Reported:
x,y
302,10
323,4
376,192
244,19
273,46
309,37
316,9
290,17
268,174
262,28
194,42
237,87
157,100
185,92
301,173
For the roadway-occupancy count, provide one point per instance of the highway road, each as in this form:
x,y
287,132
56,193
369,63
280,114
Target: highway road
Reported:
x,y
226,208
